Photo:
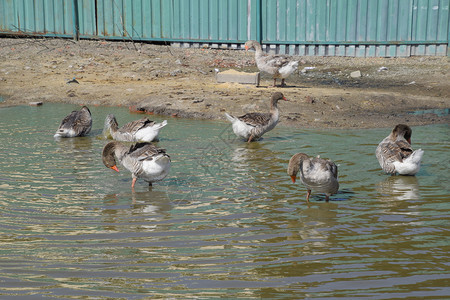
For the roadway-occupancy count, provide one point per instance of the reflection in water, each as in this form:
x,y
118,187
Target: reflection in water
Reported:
x,y
399,188
227,221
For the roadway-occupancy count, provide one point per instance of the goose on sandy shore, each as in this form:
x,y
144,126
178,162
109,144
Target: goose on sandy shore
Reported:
x,y
320,175
77,123
280,66
142,130
395,155
143,160
252,126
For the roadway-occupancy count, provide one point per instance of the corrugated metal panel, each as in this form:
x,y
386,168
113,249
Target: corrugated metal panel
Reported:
x,y
38,17
224,21
86,18
303,27
356,27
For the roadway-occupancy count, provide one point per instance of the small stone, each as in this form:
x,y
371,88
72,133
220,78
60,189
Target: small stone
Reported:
x,y
355,74
175,72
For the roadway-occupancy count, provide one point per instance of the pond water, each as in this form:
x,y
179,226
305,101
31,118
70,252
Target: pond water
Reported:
x,y
227,221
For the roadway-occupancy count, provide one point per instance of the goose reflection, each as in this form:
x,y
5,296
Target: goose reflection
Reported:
x,y
77,144
151,201
144,207
399,188
253,159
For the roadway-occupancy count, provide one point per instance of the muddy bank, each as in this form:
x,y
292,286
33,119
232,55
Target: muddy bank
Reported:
x,y
181,83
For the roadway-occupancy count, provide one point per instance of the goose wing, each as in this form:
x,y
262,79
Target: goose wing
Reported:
x,y
255,119
387,153
405,149
331,166
277,61
145,151
79,121
133,126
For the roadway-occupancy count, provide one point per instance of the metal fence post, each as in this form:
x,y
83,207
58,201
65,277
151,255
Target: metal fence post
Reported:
x,y
76,21
259,21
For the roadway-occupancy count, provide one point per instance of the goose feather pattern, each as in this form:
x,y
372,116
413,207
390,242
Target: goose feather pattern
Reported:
x,y
279,66
142,130
77,123
143,160
252,126
395,154
318,174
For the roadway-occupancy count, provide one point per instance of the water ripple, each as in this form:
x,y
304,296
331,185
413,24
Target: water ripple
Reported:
x,y
227,222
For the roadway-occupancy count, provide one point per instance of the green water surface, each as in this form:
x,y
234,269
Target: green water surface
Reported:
x,y
226,223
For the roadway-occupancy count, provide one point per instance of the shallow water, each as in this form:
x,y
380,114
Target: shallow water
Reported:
x,y
227,222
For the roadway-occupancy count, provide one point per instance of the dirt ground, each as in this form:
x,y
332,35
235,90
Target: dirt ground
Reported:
x,y
180,82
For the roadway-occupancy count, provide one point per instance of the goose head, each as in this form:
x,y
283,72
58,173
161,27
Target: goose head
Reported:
x,y
402,130
85,109
276,97
295,164
252,44
111,122
108,156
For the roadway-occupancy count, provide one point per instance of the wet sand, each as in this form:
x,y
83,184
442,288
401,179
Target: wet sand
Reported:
x,y
180,82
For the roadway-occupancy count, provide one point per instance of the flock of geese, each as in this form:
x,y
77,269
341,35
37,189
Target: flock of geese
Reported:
x,y
146,161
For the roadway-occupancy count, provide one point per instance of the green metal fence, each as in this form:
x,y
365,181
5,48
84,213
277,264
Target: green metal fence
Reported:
x,y
301,27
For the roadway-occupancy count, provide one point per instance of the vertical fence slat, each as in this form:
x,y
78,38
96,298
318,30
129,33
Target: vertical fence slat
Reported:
x,y
443,26
306,27
213,15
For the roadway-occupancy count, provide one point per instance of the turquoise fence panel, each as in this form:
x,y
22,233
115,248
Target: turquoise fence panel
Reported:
x,y
37,17
87,22
357,27
212,21
302,27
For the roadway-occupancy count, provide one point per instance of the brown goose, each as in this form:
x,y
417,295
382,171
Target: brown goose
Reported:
x,y
142,130
77,123
316,174
280,66
143,160
252,126
395,154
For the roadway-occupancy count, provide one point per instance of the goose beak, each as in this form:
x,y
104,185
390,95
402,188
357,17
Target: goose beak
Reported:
x,y
293,178
115,168
409,141
246,48
285,99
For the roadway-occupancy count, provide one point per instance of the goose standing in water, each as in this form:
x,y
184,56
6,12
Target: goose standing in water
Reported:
x,y
142,130
252,126
280,66
143,160
316,174
77,123
395,154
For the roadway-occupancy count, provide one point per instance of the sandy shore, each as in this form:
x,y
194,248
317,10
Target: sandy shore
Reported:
x,y
180,82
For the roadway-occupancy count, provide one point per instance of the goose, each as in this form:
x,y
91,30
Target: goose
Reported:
x,y
142,130
395,154
143,160
252,126
280,66
316,174
77,123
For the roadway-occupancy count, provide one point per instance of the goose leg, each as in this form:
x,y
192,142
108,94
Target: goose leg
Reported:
x,y
133,182
282,82
250,138
327,197
274,82
307,195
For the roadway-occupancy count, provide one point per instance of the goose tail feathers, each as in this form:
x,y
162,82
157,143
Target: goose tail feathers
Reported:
x,y
230,118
